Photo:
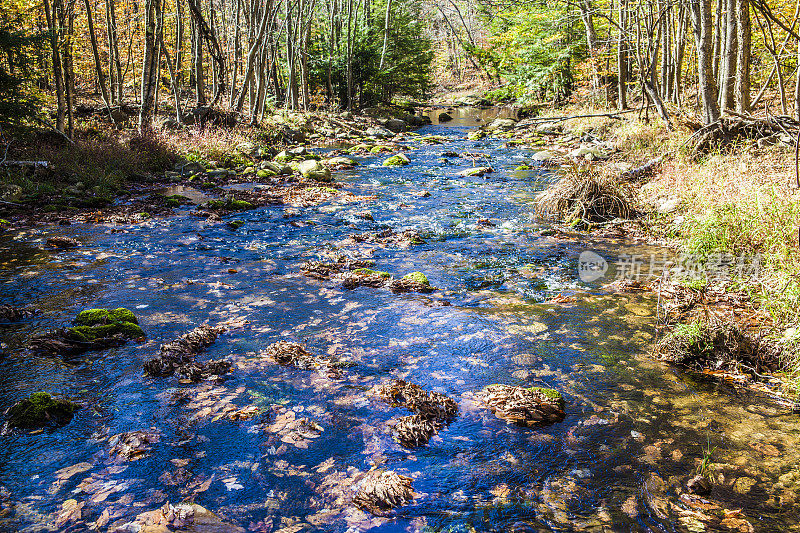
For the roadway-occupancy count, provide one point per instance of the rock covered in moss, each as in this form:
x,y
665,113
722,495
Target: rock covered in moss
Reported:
x,y
524,407
40,409
229,204
413,282
94,329
314,170
381,491
94,324
398,160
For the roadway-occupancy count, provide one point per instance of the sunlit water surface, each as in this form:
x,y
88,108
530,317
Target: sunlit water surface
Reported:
x,y
629,420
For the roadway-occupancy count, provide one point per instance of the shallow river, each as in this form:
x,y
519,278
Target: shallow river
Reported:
x,y
635,430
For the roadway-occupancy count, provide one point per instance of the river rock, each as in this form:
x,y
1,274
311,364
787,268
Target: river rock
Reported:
x,y
413,282
524,407
62,243
9,313
315,170
476,171
544,155
398,160
380,132
340,162
472,100
445,117
503,124
181,518
396,125
247,148
187,168
39,410
299,151
10,192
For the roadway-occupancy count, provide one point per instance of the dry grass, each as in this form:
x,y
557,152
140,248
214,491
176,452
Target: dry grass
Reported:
x,y
585,196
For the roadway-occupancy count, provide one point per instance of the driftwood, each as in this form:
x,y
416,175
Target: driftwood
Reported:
x,y
33,164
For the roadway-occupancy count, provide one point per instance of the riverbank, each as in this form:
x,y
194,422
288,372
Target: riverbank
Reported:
x,y
729,296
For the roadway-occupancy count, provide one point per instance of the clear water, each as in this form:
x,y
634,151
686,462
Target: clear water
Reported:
x,y
630,421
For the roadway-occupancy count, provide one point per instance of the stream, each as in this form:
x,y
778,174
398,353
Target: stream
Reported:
x,y
635,429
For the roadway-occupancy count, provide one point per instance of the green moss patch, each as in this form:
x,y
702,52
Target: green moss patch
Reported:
x,y
93,324
40,409
418,277
551,394
368,272
94,317
230,205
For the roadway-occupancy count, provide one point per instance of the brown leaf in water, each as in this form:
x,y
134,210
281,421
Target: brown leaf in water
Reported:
x,y
70,512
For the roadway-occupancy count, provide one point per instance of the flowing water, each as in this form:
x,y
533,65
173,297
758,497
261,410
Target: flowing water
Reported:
x,y
635,430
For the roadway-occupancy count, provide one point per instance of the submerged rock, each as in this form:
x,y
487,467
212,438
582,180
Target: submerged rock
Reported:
x,y
364,277
524,407
38,410
178,356
404,239
290,353
132,445
10,313
381,491
324,270
293,354
476,171
63,243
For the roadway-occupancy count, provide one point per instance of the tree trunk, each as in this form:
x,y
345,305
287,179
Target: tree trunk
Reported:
x,y
101,77
622,58
150,63
58,75
386,21
728,70
702,26
114,61
743,57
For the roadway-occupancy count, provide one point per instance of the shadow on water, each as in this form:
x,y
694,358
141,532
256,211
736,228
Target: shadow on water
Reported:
x,y
634,432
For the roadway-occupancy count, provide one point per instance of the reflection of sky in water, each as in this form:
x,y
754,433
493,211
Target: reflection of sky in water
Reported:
x,y
627,419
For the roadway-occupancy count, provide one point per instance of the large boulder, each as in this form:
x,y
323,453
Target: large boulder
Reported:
x,y
398,160
502,124
380,132
445,117
315,170
474,100
396,125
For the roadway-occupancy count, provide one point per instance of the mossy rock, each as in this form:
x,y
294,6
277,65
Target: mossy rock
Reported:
x,y
93,333
230,204
551,394
398,160
40,409
417,277
523,167
368,272
266,173
94,317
